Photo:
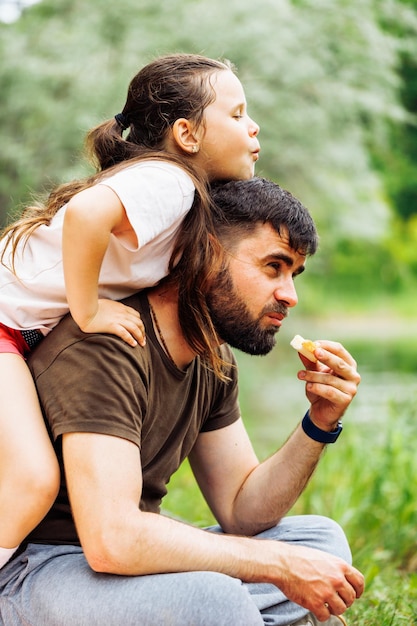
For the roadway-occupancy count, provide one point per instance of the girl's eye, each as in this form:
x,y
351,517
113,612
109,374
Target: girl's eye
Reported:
x,y
238,117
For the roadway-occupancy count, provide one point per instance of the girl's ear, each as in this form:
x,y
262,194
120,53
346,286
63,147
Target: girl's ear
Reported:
x,y
185,135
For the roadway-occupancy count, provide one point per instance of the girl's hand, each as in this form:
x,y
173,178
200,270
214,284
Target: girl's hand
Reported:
x,y
117,319
331,383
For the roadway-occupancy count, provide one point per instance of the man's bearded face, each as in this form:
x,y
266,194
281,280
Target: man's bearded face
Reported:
x,y
234,322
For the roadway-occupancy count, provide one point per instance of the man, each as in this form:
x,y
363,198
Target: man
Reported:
x,y
126,418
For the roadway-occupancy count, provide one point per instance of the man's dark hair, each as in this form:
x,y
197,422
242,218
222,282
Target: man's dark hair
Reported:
x,y
238,208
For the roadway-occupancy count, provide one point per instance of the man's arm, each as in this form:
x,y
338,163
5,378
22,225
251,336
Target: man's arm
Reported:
x,y
104,482
248,497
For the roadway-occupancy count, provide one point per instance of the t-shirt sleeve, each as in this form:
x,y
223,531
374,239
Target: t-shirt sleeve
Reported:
x,y
156,196
108,398
225,407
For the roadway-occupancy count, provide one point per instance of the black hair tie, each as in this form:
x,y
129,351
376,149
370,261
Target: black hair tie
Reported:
x,y
122,120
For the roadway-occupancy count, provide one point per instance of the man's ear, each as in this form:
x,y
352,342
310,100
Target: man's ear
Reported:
x,y
186,136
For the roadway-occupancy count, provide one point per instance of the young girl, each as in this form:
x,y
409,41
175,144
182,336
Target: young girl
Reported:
x,y
103,238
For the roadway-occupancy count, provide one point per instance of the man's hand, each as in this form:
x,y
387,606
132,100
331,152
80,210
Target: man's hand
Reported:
x,y
331,383
117,319
320,582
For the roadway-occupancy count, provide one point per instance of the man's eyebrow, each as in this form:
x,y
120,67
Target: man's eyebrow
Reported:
x,y
280,256
288,260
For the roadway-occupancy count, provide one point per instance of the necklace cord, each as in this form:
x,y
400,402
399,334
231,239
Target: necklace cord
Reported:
x,y
161,337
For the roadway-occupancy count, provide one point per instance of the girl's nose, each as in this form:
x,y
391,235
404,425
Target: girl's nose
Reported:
x,y
253,128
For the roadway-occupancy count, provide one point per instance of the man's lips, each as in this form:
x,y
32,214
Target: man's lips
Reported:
x,y
276,318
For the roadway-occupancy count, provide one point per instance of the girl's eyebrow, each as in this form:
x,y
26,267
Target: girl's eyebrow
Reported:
x,y
240,105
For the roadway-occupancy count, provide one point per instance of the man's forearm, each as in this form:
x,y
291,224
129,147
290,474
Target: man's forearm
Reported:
x,y
273,487
149,543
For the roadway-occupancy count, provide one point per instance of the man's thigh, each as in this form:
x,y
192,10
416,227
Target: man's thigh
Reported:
x,y
54,586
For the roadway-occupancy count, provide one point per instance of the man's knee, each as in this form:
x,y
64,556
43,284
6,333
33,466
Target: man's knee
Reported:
x,y
333,537
314,531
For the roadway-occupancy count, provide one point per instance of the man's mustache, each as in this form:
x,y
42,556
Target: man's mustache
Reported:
x,y
276,307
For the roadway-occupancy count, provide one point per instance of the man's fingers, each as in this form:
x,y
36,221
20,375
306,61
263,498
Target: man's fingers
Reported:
x,y
356,580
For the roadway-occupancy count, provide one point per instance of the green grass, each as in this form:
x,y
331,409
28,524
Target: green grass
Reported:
x,y
369,485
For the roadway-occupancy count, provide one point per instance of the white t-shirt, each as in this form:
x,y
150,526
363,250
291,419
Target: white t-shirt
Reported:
x,y
156,196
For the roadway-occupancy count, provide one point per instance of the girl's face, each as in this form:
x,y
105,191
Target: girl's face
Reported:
x,y
228,144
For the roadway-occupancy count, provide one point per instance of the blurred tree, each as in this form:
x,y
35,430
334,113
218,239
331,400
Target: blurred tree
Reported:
x,y
320,75
396,158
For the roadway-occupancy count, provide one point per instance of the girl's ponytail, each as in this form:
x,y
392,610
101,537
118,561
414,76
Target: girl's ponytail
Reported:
x,y
106,146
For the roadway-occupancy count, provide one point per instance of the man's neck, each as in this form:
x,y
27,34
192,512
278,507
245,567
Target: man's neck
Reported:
x,y
163,301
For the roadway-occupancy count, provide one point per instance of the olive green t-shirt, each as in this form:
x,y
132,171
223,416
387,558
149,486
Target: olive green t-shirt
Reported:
x,y
96,383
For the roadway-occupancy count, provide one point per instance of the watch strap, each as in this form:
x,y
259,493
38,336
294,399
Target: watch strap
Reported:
x,y
319,435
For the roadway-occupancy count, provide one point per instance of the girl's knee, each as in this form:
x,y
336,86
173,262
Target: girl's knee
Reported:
x,y
45,482
36,482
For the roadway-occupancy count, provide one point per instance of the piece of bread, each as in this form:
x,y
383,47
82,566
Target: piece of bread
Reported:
x,y
305,347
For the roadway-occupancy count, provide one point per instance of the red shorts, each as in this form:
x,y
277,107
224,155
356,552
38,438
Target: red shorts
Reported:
x,y
11,340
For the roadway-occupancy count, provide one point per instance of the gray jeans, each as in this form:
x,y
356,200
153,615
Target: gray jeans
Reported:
x,y
54,586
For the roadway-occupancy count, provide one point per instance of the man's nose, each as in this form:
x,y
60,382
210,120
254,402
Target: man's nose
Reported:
x,y
287,293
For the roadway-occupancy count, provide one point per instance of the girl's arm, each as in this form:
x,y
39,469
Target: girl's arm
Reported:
x,y
91,216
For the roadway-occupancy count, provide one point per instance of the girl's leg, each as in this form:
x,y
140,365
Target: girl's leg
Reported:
x,y
29,472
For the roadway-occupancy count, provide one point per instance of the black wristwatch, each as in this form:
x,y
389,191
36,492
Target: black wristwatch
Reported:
x,y
322,436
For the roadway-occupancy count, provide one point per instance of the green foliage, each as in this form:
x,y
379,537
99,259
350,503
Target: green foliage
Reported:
x,y
397,158
354,268
313,72
396,352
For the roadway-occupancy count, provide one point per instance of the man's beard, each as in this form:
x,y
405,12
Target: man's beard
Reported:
x,y
234,323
